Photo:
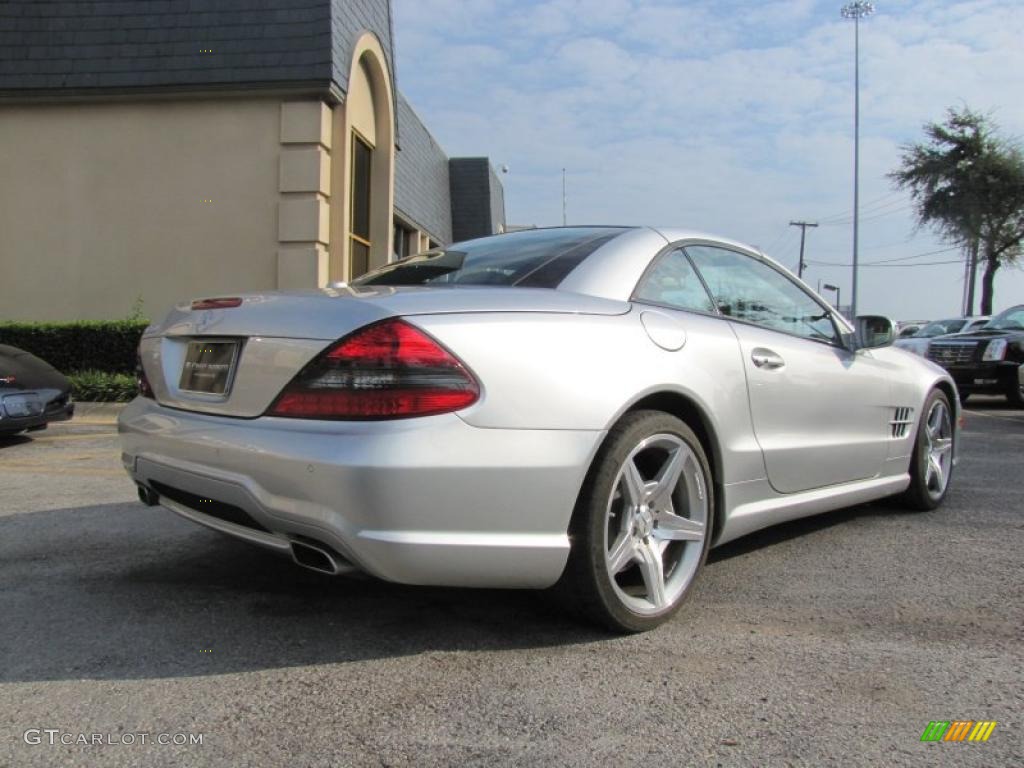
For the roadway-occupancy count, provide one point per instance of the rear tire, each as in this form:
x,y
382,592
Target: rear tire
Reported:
x,y
642,525
931,463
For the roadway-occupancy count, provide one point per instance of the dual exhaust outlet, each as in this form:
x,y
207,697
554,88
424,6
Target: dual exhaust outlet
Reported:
x,y
307,553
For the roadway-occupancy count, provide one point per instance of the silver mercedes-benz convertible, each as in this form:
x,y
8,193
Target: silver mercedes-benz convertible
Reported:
x,y
584,408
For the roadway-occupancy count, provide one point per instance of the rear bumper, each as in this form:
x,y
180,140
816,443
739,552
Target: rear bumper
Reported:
x,y
420,501
53,412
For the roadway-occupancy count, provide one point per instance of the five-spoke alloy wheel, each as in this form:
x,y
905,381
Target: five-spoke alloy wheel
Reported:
x,y
642,527
932,462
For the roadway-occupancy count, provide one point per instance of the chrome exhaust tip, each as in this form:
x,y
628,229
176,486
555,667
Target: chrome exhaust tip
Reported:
x,y
316,558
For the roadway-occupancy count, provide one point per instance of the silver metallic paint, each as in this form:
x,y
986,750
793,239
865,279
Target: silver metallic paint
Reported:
x,y
483,497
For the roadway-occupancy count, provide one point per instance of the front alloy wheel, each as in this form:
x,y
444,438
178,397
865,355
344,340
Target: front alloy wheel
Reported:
x,y
931,464
642,527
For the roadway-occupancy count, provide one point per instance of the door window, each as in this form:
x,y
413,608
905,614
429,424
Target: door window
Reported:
x,y
751,290
672,281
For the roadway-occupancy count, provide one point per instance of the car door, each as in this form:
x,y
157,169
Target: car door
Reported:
x,y
820,412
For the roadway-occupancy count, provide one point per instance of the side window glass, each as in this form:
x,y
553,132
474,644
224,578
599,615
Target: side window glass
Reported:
x,y
673,282
751,290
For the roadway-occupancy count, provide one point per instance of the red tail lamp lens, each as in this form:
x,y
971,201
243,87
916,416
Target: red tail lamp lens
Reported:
x,y
141,381
217,303
390,370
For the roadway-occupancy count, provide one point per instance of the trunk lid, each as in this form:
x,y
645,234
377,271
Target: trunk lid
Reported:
x,y
278,333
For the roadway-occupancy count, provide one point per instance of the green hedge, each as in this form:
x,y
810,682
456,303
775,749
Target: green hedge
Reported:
x,y
107,346
102,387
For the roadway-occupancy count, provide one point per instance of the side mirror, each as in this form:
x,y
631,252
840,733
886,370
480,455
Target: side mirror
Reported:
x,y
874,331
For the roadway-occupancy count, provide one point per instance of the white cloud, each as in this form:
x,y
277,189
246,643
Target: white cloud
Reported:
x,y
716,115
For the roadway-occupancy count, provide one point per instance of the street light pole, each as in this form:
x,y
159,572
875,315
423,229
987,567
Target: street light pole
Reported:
x,y
835,288
563,197
856,11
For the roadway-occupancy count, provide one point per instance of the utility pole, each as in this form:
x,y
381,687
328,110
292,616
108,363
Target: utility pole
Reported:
x,y
856,10
803,233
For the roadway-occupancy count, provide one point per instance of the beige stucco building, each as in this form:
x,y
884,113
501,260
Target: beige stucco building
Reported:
x,y
160,157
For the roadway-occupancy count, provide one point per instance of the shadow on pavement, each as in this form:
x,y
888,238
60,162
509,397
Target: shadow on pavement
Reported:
x,y
126,592
784,532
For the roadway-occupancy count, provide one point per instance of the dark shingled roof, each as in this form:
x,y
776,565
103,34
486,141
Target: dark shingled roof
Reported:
x,y
51,47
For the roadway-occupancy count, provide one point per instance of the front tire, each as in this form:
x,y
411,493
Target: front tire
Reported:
x,y
1015,392
931,464
642,526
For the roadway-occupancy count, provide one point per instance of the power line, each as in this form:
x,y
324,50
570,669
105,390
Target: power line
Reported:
x,y
889,262
877,214
870,204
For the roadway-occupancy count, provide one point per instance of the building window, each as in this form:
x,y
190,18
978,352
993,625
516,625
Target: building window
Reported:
x,y
402,243
359,234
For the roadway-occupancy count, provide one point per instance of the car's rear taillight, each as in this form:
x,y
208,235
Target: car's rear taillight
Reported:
x,y
220,302
141,382
388,370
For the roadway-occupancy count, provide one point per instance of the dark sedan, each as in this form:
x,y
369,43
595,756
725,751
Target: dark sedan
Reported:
x,y
32,392
989,360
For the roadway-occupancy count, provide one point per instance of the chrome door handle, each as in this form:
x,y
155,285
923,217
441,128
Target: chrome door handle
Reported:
x,y
765,358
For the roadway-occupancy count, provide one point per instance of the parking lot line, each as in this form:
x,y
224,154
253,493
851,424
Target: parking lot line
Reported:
x,y
56,438
36,468
1001,417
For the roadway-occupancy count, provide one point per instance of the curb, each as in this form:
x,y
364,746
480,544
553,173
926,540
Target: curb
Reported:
x,y
97,413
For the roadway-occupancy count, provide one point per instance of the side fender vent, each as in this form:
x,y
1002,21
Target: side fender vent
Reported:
x,y
901,421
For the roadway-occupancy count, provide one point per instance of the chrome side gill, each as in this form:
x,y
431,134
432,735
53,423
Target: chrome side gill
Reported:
x,y
903,418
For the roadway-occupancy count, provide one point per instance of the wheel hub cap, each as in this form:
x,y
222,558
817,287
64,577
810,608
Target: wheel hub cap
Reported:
x,y
644,522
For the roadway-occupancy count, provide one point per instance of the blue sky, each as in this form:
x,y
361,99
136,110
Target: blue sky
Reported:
x,y
728,117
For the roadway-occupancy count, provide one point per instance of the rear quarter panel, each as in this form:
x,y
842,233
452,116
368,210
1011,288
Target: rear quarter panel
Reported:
x,y
582,372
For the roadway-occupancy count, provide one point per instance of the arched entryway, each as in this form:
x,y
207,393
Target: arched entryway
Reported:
x,y
363,183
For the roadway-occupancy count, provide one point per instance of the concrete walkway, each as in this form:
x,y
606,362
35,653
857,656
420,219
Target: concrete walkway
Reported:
x,y
97,413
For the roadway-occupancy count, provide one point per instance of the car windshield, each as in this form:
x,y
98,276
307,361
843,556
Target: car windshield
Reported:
x,y
537,258
1010,320
939,327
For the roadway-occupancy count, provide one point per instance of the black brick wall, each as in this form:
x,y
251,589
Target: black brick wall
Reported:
x,y
349,18
421,177
477,198
85,44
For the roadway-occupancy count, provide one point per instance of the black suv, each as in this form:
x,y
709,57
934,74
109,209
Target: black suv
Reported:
x,y
989,360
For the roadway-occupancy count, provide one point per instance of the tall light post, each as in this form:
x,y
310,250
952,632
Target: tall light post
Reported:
x,y
835,288
856,11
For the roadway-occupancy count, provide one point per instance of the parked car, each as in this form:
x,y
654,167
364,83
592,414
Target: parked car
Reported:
x,y
918,341
32,393
589,408
907,329
989,360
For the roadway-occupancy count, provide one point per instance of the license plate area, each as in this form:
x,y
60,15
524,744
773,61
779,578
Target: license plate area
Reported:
x,y
209,366
28,404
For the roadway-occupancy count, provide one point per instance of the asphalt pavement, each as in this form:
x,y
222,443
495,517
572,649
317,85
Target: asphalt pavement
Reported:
x,y
831,641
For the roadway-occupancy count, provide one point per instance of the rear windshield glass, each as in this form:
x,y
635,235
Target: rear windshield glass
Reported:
x,y
536,258
940,327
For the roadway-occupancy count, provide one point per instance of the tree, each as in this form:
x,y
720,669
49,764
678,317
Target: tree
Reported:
x,y
967,183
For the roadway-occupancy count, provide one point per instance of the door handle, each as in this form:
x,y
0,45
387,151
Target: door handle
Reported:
x,y
765,358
